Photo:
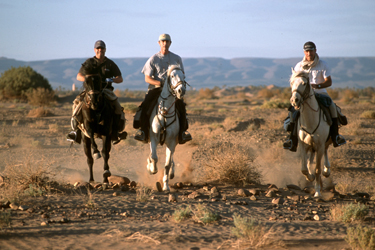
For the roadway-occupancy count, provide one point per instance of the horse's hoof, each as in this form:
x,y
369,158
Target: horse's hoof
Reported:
x,y
326,172
171,176
106,174
97,156
166,188
158,187
317,195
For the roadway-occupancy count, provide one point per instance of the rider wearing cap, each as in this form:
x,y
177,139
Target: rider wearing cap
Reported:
x,y
155,71
109,72
320,79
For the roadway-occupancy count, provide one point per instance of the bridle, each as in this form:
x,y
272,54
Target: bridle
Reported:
x,y
305,95
87,99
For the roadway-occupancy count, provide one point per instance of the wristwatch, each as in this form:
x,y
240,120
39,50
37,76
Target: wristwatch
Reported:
x,y
319,86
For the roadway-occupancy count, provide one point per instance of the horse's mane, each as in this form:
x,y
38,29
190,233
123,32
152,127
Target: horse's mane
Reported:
x,y
296,74
173,67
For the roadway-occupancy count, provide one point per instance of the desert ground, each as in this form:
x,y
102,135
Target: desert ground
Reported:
x,y
72,214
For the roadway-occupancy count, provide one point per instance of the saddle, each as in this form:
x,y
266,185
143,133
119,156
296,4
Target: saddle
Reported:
x,y
324,103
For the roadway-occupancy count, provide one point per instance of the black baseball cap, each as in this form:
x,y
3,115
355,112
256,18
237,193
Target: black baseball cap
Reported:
x,y
309,46
99,44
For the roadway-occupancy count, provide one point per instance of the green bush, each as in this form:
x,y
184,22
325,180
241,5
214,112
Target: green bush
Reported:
x,y
361,238
182,214
349,212
15,83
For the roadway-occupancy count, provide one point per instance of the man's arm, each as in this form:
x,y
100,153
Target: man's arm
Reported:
x,y
80,77
327,83
118,79
152,81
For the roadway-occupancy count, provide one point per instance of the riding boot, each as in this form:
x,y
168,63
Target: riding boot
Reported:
x,y
116,136
183,135
292,142
142,134
337,139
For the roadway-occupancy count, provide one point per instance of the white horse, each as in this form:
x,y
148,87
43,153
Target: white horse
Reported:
x,y
164,123
313,129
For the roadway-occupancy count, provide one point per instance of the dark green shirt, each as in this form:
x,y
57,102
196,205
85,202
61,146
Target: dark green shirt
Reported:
x,y
107,69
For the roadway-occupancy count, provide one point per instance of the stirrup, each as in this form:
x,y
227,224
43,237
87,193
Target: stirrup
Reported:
x,y
185,137
290,145
72,136
140,136
121,136
339,140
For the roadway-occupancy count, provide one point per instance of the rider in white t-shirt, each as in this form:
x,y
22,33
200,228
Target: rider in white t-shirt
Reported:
x,y
320,79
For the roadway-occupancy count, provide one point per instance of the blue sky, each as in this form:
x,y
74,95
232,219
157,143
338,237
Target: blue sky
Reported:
x,y
57,29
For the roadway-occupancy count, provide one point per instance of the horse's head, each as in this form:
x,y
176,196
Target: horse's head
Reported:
x,y
300,85
176,81
93,87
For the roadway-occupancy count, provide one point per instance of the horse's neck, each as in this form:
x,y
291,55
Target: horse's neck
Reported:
x,y
310,111
166,102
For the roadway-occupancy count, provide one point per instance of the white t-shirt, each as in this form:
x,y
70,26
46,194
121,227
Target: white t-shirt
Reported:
x,y
157,66
317,74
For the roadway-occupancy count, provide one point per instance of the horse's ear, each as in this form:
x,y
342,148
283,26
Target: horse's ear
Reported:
x,y
293,72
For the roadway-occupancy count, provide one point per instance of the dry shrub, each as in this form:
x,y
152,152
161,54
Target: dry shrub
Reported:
x,y
333,93
361,237
265,93
368,114
31,174
41,97
206,93
117,92
348,95
249,231
273,104
349,212
130,107
225,162
39,112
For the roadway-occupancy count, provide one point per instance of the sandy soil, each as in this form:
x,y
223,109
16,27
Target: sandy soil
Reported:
x,y
115,219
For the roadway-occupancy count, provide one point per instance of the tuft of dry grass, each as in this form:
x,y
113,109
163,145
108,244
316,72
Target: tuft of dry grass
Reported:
x,y
249,231
39,112
5,219
368,114
202,214
20,177
181,213
143,193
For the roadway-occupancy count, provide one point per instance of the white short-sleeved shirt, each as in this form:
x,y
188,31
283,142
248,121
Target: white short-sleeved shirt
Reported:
x,y
317,74
157,66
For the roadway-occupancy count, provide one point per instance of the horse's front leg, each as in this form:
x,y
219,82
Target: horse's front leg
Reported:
x,y
90,132
105,152
169,165
318,170
305,167
90,160
327,164
152,160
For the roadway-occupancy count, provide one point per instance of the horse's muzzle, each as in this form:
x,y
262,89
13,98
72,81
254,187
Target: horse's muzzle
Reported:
x,y
295,101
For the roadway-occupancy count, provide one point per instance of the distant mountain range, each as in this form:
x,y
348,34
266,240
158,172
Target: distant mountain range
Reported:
x,y
353,72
